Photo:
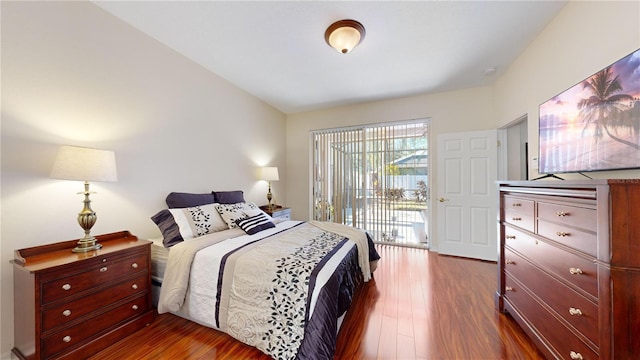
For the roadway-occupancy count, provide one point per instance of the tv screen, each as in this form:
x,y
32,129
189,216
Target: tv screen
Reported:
x,y
594,125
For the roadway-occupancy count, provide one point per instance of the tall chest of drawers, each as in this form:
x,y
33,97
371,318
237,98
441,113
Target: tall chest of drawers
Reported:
x,y
71,305
569,265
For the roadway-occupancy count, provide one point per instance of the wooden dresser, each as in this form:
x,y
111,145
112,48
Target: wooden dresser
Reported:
x,y
569,265
71,305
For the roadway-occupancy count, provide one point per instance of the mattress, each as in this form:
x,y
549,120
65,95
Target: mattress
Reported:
x,y
159,256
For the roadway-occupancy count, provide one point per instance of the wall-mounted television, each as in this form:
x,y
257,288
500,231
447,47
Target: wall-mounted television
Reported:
x,y
595,124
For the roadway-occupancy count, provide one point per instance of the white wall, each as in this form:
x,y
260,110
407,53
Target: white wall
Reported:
x,y
456,111
585,37
74,74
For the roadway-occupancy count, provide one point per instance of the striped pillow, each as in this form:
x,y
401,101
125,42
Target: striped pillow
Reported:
x,y
256,223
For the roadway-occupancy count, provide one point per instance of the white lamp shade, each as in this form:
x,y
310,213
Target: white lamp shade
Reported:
x,y
269,173
85,164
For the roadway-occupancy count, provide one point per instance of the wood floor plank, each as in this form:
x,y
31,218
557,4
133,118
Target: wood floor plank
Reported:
x,y
388,342
420,305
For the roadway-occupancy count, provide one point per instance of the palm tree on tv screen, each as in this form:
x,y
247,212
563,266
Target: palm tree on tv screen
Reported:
x,y
605,107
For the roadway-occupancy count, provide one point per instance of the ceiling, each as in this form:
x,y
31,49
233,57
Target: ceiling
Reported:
x,y
276,50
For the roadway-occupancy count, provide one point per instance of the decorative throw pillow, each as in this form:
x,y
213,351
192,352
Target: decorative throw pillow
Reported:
x,y
232,212
255,223
228,197
168,227
178,225
184,200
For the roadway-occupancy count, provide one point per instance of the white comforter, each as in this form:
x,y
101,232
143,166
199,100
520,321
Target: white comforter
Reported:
x,y
181,256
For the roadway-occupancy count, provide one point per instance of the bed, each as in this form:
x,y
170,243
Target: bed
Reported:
x,y
282,287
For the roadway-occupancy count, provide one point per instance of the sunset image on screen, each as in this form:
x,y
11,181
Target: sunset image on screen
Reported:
x,y
594,125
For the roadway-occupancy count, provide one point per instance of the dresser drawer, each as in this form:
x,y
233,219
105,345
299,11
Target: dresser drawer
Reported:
x,y
279,213
519,204
98,275
563,342
578,311
64,313
579,271
584,241
519,219
61,340
569,215
519,212
282,214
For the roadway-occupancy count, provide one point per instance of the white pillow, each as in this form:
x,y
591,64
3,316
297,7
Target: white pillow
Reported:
x,y
198,220
232,212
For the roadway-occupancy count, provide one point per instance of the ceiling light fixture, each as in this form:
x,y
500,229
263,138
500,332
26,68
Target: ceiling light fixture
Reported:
x,y
344,35
490,71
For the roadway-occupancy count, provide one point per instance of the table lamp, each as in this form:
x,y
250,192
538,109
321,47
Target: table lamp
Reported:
x,y
269,174
85,164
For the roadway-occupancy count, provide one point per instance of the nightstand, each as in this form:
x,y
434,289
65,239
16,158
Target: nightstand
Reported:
x,y
72,305
278,212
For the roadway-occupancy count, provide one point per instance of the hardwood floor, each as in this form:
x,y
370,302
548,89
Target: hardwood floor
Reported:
x,y
419,306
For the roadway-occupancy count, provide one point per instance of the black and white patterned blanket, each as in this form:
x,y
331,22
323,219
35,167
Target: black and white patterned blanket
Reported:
x,y
281,291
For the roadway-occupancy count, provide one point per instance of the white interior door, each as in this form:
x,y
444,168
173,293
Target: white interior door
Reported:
x,y
467,167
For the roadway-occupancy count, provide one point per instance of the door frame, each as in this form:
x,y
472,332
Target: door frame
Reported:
x,y
505,162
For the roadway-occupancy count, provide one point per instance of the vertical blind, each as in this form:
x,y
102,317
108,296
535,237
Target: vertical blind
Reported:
x,y
366,176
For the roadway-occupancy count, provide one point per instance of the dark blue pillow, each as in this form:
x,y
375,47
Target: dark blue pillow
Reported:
x,y
177,200
256,223
228,197
168,227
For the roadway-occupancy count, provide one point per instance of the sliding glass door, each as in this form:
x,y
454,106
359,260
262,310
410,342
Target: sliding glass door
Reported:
x,y
374,178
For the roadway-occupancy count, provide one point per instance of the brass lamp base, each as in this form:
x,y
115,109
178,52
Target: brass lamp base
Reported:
x,y
86,245
86,219
269,197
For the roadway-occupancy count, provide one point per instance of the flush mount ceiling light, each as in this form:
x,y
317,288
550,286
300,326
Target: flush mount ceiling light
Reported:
x,y
490,71
344,35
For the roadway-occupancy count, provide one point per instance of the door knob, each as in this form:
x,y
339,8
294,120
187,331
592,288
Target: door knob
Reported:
x,y
443,199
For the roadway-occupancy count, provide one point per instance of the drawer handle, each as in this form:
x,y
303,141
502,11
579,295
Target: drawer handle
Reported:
x,y
575,271
134,265
574,311
66,312
66,339
516,219
134,287
516,204
508,288
575,355
135,307
66,287
562,233
103,269
509,236
510,262
562,213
